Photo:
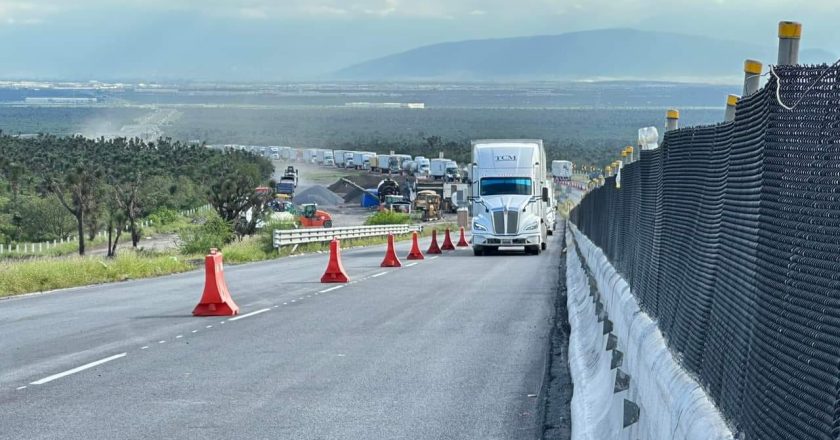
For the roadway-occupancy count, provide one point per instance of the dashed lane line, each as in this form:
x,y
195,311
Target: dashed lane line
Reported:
x,y
329,290
77,369
257,312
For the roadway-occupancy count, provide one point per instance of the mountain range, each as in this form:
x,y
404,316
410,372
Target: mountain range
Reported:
x,y
609,54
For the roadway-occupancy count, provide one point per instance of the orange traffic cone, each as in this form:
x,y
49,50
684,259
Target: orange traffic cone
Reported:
x,y
391,259
434,248
447,242
415,253
335,270
463,241
216,300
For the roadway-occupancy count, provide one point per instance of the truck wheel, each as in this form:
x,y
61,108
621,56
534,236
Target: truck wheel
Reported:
x,y
532,250
544,245
478,251
328,224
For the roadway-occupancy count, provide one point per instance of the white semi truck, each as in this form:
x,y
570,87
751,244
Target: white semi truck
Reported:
x,y
509,196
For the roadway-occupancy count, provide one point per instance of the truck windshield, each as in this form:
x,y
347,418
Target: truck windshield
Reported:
x,y
492,186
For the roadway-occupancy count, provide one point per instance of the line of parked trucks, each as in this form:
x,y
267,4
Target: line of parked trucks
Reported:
x,y
393,163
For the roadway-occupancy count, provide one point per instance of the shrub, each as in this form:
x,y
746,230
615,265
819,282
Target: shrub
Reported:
x,y
214,233
164,216
388,218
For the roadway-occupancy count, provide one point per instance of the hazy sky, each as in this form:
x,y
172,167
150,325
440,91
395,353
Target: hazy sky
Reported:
x,y
295,39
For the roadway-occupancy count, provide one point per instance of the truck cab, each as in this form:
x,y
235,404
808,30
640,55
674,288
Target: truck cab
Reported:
x,y
510,198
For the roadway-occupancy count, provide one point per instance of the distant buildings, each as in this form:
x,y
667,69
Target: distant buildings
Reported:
x,y
59,100
415,105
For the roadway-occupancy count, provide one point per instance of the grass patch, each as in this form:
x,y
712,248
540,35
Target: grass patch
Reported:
x,y
48,274
388,218
41,274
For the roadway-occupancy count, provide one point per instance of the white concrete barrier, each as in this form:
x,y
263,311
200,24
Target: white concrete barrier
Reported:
x,y
672,405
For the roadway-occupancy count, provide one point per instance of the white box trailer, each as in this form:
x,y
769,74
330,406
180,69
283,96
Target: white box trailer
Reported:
x,y
509,195
361,159
562,169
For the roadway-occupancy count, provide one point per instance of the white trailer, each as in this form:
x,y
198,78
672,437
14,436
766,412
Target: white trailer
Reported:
x,y
509,196
361,159
562,169
423,165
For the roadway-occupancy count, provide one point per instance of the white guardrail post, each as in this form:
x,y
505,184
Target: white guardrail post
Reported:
x,y
285,237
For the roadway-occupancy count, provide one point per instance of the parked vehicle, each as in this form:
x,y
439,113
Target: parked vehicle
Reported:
x,y
509,197
423,166
445,169
312,217
562,169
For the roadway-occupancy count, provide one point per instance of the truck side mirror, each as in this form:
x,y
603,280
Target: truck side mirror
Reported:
x,y
545,194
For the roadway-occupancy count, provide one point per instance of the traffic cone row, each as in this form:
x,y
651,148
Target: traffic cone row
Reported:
x,y
335,271
217,301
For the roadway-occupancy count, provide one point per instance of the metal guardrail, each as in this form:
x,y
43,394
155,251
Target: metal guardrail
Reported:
x,y
285,237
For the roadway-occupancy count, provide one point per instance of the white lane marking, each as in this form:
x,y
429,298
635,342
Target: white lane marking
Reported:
x,y
209,326
432,258
179,336
411,264
161,342
222,322
21,388
195,331
77,369
248,314
330,289
285,304
378,274
145,347
294,300
276,307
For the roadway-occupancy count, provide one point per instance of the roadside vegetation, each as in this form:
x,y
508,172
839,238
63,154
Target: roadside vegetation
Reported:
x,y
52,188
388,218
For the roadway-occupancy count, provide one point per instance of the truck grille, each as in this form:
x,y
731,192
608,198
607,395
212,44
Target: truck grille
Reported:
x,y
499,222
511,226
512,222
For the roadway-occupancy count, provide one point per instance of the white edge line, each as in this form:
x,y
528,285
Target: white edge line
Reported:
x,y
77,369
330,289
378,274
249,314
411,264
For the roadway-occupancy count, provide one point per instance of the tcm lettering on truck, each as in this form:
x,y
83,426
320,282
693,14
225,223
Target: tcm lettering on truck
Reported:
x,y
509,199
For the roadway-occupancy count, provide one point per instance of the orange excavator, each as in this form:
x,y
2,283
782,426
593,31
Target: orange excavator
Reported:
x,y
312,217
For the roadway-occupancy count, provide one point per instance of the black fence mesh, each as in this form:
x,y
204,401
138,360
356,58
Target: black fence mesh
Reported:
x,y
730,237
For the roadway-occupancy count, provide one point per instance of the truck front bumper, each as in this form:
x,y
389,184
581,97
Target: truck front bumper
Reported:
x,y
480,239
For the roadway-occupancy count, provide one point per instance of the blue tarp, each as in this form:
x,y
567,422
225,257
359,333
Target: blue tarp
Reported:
x,y
370,199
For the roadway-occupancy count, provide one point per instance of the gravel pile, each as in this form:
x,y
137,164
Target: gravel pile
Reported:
x,y
320,195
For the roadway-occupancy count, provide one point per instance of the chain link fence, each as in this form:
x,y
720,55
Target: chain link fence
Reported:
x,y
730,238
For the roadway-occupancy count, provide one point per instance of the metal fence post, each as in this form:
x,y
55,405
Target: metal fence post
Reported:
x,y
673,119
731,103
752,76
789,34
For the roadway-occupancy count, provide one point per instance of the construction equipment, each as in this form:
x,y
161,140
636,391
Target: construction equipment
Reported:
x,y
395,203
312,217
428,202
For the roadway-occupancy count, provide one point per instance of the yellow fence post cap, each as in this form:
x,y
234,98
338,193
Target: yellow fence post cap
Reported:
x,y
790,29
732,99
672,114
752,67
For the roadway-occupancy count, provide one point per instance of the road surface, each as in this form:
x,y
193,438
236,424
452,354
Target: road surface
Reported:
x,y
449,348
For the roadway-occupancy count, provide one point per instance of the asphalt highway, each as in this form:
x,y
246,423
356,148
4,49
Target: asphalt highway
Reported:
x,y
451,347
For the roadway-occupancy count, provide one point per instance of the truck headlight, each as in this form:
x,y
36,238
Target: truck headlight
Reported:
x,y
532,226
479,227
